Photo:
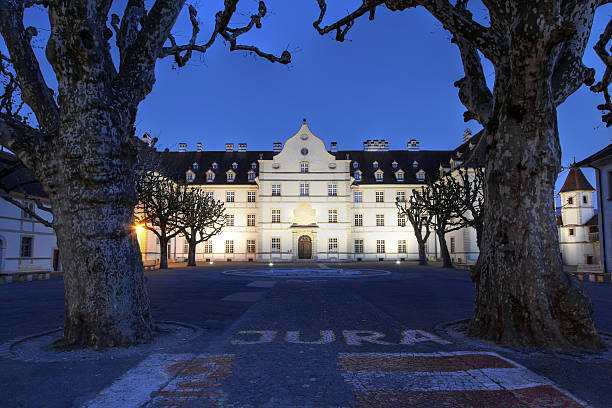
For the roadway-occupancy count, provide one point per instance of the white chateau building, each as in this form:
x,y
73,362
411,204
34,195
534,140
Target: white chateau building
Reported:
x,y
304,202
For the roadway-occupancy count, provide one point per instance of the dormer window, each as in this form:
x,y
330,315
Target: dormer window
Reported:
x,y
379,175
231,176
399,175
375,164
234,165
210,176
394,164
215,166
357,175
190,176
251,175
355,165
420,175
415,164
195,165
253,165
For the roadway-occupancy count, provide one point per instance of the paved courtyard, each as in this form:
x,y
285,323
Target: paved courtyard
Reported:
x,y
367,340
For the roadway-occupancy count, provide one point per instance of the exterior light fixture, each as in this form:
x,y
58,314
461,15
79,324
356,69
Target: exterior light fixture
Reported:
x,y
271,264
211,262
397,262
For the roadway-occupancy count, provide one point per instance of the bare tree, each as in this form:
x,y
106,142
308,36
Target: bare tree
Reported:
x,y
201,218
604,85
83,148
523,296
469,186
416,212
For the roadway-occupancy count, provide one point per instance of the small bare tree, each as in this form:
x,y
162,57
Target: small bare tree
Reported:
x,y
201,218
416,212
469,186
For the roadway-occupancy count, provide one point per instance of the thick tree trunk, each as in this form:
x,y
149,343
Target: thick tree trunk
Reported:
x,y
163,252
446,258
191,259
523,297
421,243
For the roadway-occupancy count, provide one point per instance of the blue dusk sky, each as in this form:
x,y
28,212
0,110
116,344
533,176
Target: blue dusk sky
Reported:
x,y
391,79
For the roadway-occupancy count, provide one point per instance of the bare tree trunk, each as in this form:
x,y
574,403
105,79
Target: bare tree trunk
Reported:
x,y
163,252
523,297
446,259
191,261
421,243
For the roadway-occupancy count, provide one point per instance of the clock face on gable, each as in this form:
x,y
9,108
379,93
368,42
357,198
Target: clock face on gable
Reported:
x,y
304,151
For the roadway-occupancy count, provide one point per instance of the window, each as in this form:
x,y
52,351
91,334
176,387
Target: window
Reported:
x,y
394,165
375,164
234,165
229,220
276,190
185,246
215,166
251,175
276,216
380,196
401,196
585,200
195,166
332,216
570,200
357,175
359,246
251,196
415,164
332,190
208,247
230,176
379,176
358,196
229,246
359,220
355,165
401,246
571,232
210,195
420,175
275,247
210,177
332,245
401,220
250,246
380,246
250,220
452,245
26,247
400,176
30,206
380,220
253,165
304,189
190,176
304,167
229,196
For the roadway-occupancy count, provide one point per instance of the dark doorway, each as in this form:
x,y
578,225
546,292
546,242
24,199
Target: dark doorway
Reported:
x,y
589,260
56,260
304,247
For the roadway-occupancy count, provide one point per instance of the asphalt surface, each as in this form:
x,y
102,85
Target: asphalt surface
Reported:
x,y
301,343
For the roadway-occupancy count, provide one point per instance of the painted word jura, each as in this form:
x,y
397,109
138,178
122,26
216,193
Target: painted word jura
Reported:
x,y
351,337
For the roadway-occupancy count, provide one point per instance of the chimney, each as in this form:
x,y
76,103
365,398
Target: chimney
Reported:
x,y
467,135
242,147
147,138
333,147
413,145
375,145
229,147
277,147
199,146
182,147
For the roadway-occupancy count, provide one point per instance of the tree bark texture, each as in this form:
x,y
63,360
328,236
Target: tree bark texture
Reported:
x,y
163,252
523,296
446,258
191,259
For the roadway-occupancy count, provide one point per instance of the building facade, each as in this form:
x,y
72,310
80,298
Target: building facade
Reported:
x,y
303,202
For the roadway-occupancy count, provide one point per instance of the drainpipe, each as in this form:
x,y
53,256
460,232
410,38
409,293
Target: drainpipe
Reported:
x,y
602,232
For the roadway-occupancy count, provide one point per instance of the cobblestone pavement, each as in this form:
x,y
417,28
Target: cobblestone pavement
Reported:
x,y
340,343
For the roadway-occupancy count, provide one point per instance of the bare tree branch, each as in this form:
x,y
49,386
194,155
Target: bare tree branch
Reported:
x,y
35,91
128,30
604,84
26,209
23,140
344,24
231,35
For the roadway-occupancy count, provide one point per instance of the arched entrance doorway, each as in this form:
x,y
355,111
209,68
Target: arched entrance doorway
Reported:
x,y
304,247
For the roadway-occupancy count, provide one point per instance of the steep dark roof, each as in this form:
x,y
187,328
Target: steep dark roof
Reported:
x,y
576,181
472,151
21,179
178,163
606,151
593,221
